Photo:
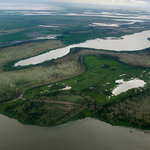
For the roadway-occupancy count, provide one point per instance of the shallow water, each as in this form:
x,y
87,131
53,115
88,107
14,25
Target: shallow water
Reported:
x,y
126,85
84,134
137,41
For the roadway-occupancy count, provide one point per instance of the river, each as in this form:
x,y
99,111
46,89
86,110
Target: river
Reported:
x,y
86,134
137,41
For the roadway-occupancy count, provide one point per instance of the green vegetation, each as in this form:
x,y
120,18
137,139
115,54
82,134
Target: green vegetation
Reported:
x,y
15,82
39,113
73,29
76,86
87,90
133,110
99,72
97,82
81,35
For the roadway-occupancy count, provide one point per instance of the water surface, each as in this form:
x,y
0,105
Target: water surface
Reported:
x,y
127,85
137,41
84,134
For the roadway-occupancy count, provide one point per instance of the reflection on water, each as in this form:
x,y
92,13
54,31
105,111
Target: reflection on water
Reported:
x,y
104,24
48,26
84,134
128,22
137,41
127,85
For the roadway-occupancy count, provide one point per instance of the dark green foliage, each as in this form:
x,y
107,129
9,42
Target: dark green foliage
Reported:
x,y
96,82
39,113
105,66
108,93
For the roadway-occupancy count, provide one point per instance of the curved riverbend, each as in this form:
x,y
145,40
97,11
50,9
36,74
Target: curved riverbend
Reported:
x,y
137,41
84,134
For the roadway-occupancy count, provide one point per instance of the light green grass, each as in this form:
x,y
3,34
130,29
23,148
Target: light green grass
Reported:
x,y
97,82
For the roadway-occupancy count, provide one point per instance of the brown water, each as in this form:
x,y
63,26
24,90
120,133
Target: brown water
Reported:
x,y
87,134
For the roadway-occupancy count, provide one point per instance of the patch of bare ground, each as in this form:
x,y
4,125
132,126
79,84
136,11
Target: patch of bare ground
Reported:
x,y
11,31
57,102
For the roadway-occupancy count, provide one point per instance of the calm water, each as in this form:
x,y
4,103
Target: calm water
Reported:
x,y
84,134
137,41
126,85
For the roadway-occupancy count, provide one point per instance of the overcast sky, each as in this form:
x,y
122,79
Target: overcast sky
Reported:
x,y
43,4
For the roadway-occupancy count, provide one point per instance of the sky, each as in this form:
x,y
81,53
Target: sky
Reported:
x,y
45,4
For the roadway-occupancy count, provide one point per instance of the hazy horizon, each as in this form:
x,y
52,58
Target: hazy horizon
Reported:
x,y
53,5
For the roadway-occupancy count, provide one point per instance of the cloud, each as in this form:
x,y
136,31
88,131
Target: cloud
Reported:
x,y
27,6
138,2
46,4
108,2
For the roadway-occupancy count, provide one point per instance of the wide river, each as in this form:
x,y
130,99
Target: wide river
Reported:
x,y
137,41
87,134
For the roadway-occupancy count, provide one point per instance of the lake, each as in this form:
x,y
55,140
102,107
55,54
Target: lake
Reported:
x,y
83,134
137,41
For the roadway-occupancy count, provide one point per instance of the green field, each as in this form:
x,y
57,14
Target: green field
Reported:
x,y
97,82
91,90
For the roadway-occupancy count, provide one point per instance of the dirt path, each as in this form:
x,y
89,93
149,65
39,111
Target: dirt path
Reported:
x,y
20,97
58,102
4,92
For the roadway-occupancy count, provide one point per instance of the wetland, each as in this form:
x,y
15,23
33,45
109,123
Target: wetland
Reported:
x,y
61,88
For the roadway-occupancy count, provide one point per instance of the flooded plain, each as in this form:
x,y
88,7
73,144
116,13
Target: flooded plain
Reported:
x,y
137,41
84,134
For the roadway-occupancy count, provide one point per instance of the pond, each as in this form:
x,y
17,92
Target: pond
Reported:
x,y
126,85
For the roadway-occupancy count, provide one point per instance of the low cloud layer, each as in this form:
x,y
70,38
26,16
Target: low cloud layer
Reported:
x,y
43,4
110,2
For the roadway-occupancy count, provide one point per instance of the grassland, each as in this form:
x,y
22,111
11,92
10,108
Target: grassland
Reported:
x,y
97,82
73,29
10,31
13,83
91,88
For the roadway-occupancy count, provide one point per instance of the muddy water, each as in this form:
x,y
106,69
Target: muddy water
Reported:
x,y
84,134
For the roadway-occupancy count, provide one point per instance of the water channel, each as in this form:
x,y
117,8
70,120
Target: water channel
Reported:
x,y
137,41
